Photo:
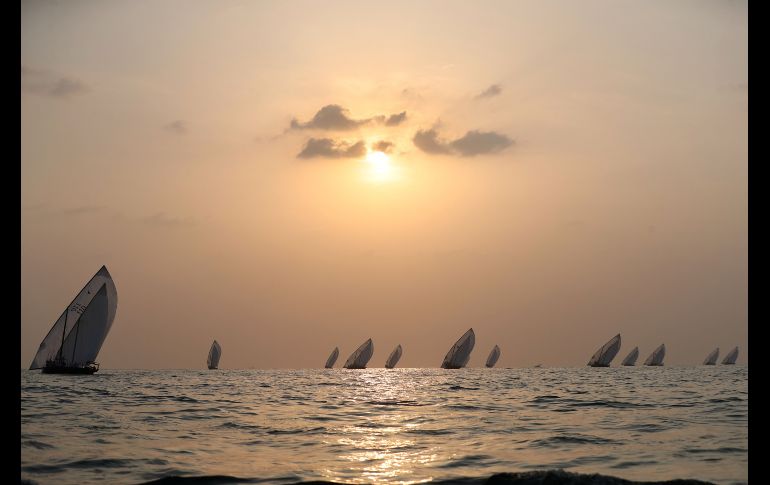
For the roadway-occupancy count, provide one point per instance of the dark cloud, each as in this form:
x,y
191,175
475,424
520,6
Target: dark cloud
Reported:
x,y
471,144
427,141
45,83
330,117
396,119
328,148
177,127
160,219
491,91
383,146
479,143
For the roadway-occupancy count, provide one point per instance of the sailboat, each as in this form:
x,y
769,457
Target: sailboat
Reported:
x,y
332,358
731,357
215,352
631,357
76,337
493,356
711,359
460,353
656,358
606,353
394,357
361,356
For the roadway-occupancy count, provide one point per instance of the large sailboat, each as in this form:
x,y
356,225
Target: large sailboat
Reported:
x,y
215,352
731,357
656,357
76,337
361,356
493,356
394,357
711,359
332,358
631,357
460,353
606,353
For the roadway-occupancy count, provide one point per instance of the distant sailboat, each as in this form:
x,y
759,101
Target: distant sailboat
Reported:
x,y
631,357
460,353
493,356
361,356
731,357
394,357
712,357
606,353
75,339
332,358
215,352
656,358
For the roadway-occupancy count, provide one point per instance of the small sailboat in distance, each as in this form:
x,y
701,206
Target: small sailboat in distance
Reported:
x,y
493,356
394,357
215,352
731,357
656,357
460,353
76,337
631,357
711,359
606,353
332,358
361,356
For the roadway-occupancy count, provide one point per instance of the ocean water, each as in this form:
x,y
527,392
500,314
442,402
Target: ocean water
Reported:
x,y
385,426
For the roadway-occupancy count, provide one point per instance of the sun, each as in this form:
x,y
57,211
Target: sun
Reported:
x,y
378,160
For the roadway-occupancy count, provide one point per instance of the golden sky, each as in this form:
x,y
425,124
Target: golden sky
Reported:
x,y
287,177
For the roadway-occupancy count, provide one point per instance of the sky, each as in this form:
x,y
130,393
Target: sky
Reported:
x,y
287,177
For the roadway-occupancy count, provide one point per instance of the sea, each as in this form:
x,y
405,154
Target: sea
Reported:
x,y
567,425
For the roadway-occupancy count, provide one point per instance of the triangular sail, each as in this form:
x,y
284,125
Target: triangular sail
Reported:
x,y
711,359
361,356
656,358
78,334
215,352
731,357
606,353
631,357
493,356
460,353
332,358
394,357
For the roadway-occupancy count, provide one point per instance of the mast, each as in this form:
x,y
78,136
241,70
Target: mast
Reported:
x,y
63,333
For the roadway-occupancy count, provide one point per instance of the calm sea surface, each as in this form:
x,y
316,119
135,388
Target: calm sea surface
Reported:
x,y
385,426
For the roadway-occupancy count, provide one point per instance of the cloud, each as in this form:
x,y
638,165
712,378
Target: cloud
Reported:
x,y
46,83
471,144
396,119
335,117
177,127
330,117
328,148
491,91
160,219
74,211
427,141
383,146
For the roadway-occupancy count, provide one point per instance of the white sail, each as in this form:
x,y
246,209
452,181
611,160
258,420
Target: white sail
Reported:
x,y
631,357
493,356
656,358
711,359
394,357
361,356
606,353
332,358
214,354
78,334
460,353
731,357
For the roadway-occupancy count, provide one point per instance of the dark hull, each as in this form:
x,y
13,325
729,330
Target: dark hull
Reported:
x,y
599,365
355,367
451,367
212,368
56,369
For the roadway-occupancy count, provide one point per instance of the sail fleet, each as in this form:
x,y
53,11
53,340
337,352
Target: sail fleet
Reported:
x,y
76,337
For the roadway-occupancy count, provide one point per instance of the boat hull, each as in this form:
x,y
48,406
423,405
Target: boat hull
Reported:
x,y
59,369
598,365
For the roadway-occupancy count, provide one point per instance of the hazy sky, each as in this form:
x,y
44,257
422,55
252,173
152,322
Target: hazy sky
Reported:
x,y
554,173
